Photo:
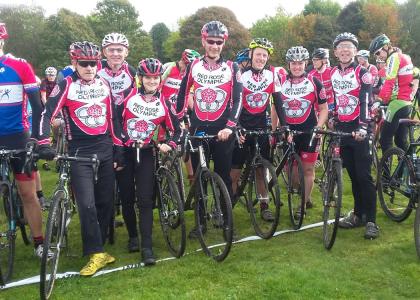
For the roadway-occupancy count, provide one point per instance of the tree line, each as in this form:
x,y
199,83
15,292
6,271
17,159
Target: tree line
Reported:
x,y
44,41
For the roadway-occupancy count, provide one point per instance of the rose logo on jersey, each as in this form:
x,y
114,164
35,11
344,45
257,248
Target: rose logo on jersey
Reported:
x,y
210,100
257,99
139,129
92,115
296,108
347,104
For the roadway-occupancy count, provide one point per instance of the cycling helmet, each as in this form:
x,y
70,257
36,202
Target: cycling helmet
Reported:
x,y
189,55
262,43
150,67
115,38
298,53
321,53
363,53
51,71
3,32
346,36
215,29
242,55
378,42
84,51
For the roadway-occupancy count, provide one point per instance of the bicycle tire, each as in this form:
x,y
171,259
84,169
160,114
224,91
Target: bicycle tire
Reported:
x,y
20,218
263,229
7,235
54,234
296,194
171,213
213,216
395,202
417,227
332,198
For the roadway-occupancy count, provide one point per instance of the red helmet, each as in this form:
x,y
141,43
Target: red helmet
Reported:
x,y
150,67
85,51
214,29
3,32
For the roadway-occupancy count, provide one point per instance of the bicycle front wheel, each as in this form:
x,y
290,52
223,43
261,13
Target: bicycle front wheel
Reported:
x,y
7,235
295,190
395,179
53,243
171,213
213,213
332,197
263,202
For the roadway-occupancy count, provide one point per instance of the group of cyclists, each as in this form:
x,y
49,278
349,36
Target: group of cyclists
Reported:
x,y
112,109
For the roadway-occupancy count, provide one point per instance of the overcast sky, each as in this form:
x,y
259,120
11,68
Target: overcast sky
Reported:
x,y
170,11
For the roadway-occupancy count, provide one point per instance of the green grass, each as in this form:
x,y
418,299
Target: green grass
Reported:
x,y
290,266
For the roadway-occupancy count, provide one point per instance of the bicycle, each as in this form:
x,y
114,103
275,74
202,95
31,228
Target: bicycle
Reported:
x,y
290,169
257,175
11,204
212,204
397,182
331,184
60,213
169,202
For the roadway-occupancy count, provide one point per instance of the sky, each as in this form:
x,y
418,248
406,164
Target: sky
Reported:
x,y
170,11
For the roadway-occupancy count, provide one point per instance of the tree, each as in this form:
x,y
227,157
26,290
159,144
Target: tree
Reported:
x,y
190,30
60,31
159,34
25,26
121,16
351,18
410,40
322,7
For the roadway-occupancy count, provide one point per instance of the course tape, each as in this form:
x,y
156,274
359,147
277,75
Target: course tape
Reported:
x,y
70,274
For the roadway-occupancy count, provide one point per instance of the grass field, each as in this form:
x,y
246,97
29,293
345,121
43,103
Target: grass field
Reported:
x,y
291,266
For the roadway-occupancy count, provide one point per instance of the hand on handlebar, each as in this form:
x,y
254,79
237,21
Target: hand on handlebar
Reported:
x,y
224,134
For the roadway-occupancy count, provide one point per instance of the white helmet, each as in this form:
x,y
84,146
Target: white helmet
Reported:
x,y
115,38
363,53
51,71
298,53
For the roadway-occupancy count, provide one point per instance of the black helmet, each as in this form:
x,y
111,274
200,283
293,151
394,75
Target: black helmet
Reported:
x,y
216,29
321,53
378,42
346,36
150,67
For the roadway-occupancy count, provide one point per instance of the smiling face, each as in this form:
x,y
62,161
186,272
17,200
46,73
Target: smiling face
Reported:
x,y
115,54
382,54
345,52
297,68
213,46
150,83
259,58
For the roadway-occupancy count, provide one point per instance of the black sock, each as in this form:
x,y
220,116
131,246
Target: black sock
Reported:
x,y
40,194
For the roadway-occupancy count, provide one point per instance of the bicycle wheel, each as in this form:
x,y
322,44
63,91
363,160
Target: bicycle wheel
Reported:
x,y
7,235
395,178
417,227
171,213
261,173
54,234
213,215
375,165
332,197
295,190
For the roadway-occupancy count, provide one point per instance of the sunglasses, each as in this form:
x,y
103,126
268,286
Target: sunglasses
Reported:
x,y
212,42
86,63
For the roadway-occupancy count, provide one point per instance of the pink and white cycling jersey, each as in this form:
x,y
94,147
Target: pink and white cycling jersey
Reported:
x,y
325,78
16,79
216,94
399,75
171,82
86,108
119,81
298,100
142,118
